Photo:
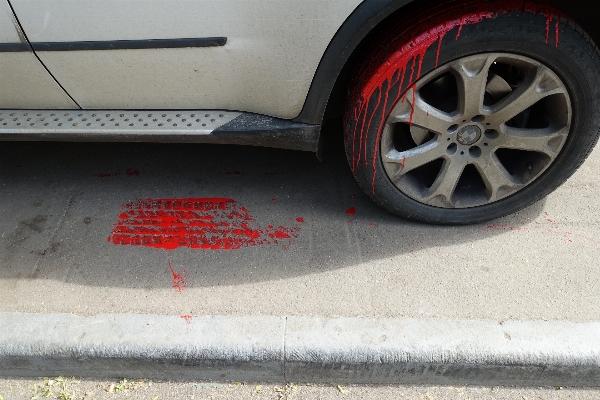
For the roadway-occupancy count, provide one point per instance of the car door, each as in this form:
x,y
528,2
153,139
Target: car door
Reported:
x,y
24,82
248,55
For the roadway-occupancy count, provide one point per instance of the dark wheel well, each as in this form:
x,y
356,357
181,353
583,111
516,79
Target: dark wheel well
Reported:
x,y
585,13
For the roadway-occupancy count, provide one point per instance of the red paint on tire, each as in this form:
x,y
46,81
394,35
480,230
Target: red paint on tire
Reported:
x,y
390,73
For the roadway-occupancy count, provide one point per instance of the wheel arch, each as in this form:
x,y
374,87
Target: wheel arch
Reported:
x,y
328,90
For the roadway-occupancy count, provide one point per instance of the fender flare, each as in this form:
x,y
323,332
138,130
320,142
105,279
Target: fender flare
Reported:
x,y
356,27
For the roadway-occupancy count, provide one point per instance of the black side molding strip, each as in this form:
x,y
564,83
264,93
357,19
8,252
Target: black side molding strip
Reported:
x,y
14,47
130,44
115,44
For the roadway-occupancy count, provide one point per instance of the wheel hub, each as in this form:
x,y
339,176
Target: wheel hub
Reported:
x,y
468,135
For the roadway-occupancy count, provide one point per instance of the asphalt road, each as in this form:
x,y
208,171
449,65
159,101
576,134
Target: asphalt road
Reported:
x,y
59,203
70,388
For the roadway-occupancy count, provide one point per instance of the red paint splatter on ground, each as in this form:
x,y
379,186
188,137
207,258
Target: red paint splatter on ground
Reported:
x,y
187,317
548,226
300,219
273,200
381,81
199,223
179,282
351,211
370,224
129,173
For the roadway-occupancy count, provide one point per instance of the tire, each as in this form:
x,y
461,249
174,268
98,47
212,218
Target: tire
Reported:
x,y
459,117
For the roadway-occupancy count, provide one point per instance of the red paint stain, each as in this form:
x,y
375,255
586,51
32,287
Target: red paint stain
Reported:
x,y
351,211
403,162
380,80
187,317
132,172
273,200
199,223
370,224
300,219
547,226
179,282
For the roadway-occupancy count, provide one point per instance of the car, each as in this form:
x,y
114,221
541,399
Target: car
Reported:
x,y
453,112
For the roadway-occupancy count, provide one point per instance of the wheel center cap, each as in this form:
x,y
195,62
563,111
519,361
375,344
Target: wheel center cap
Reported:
x,y
468,135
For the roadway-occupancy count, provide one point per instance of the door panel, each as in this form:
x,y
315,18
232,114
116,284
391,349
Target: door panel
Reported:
x,y
24,82
273,49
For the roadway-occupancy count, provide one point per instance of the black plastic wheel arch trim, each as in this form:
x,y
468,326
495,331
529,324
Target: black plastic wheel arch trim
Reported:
x,y
356,27
116,44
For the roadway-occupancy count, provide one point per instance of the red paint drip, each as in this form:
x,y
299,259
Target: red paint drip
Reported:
x,y
412,106
412,51
437,54
187,317
548,20
403,162
351,211
300,219
199,223
179,282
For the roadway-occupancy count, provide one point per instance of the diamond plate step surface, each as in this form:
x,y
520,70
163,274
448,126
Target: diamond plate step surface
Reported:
x,y
113,122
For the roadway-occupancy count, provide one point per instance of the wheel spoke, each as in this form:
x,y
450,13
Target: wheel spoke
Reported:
x,y
498,182
415,157
443,187
414,110
548,140
471,74
539,83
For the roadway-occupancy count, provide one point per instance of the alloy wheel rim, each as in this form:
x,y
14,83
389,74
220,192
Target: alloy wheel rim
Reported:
x,y
476,130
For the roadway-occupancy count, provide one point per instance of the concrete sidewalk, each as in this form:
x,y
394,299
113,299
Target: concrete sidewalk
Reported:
x,y
356,298
294,349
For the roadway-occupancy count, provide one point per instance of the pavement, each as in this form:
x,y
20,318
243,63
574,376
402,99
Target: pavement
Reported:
x,y
145,389
344,257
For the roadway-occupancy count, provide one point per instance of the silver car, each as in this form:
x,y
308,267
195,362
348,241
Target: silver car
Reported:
x,y
453,112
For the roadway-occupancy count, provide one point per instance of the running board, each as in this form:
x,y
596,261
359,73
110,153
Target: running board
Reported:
x,y
189,126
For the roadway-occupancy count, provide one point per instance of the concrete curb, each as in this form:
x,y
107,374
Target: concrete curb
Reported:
x,y
277,349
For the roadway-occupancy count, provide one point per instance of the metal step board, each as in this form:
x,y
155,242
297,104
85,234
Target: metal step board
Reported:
x,y
193,126
102,122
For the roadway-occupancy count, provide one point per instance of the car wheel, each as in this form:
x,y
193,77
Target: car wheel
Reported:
x,y
470,111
